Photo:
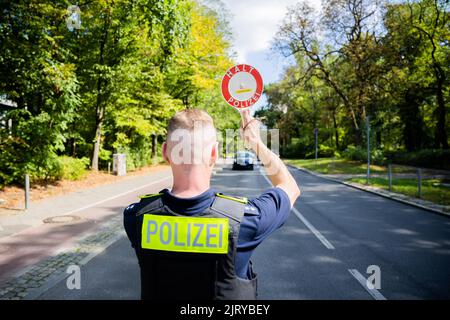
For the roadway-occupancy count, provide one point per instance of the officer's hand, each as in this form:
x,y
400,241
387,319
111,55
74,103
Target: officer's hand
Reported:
x,y
250,129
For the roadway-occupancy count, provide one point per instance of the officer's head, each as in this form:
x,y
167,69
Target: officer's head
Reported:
x,y
191,140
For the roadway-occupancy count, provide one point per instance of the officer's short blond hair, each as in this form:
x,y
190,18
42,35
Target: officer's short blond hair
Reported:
x,y
188,118
190,136
185,119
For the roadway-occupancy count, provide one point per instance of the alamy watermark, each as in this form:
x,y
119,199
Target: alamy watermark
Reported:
x,y
374,280
195,146
74,279
73,20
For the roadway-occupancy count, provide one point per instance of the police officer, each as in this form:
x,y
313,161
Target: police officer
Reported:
x,y
192,242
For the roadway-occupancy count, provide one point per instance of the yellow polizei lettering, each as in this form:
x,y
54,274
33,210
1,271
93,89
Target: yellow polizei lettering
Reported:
x,y
185,234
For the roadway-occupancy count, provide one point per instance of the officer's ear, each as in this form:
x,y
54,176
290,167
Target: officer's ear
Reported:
x,y
164,152
214,153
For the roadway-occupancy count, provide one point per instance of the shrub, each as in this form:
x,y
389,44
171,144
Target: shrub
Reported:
x,y
32,145
322,152
325,151
360,154
72,168
377,156
12,169
355,153
104,157
427,158
295,149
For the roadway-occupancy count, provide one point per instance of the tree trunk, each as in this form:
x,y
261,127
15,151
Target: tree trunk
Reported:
x,y
73,147
441,134
409,112
357,136
378,138
100,109
336,133
154,149
96,151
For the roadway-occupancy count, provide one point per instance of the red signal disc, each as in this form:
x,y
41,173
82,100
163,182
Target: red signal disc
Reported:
x,y
242,86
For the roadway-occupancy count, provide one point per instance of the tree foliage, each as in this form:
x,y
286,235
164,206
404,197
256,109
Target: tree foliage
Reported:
x,y
354,59
107,87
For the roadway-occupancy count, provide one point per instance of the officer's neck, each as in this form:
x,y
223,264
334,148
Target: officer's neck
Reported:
x,y
190,182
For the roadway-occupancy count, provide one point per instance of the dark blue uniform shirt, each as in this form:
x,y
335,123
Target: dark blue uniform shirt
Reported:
x,y
263,215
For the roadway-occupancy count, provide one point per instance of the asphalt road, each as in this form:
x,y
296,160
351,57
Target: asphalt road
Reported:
x,y
323,251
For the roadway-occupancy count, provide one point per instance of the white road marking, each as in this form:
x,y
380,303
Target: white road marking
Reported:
x,y
363,281
311,228
117,195
316,232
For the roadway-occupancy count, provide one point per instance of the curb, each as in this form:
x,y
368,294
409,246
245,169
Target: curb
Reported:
x,y
382,194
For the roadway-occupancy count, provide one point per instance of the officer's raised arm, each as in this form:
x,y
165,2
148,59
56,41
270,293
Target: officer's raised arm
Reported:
x,y
277,172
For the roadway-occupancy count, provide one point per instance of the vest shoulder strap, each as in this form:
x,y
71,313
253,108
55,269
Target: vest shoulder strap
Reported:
x,y
228,206
243,200
150,203
150,195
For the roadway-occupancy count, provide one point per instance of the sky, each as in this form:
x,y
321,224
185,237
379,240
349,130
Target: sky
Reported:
x,y
254,24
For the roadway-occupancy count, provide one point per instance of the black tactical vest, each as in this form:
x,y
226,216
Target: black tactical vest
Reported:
x,y
170,275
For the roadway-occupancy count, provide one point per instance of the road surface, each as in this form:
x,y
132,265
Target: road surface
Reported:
x,y
323,251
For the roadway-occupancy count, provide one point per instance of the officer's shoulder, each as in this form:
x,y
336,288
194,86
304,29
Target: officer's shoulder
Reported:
x,y
250,210
144,199
130,209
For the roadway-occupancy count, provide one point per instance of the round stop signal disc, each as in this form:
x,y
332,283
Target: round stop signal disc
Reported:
x,y
242,86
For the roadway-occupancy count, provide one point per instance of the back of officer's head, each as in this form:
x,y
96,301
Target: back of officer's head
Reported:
x,y
191,138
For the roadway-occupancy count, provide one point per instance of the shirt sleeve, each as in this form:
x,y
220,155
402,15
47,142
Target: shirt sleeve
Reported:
x,y
274,207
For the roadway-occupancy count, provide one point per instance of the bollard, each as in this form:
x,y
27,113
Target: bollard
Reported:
x,y
119,164
109,167
27,191
368,150
390,176
316,131
419,182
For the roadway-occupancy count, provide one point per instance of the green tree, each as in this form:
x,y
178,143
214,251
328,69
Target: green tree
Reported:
x,y
339,43
36,74
417,51
354,59
108,86
196,73
124,44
